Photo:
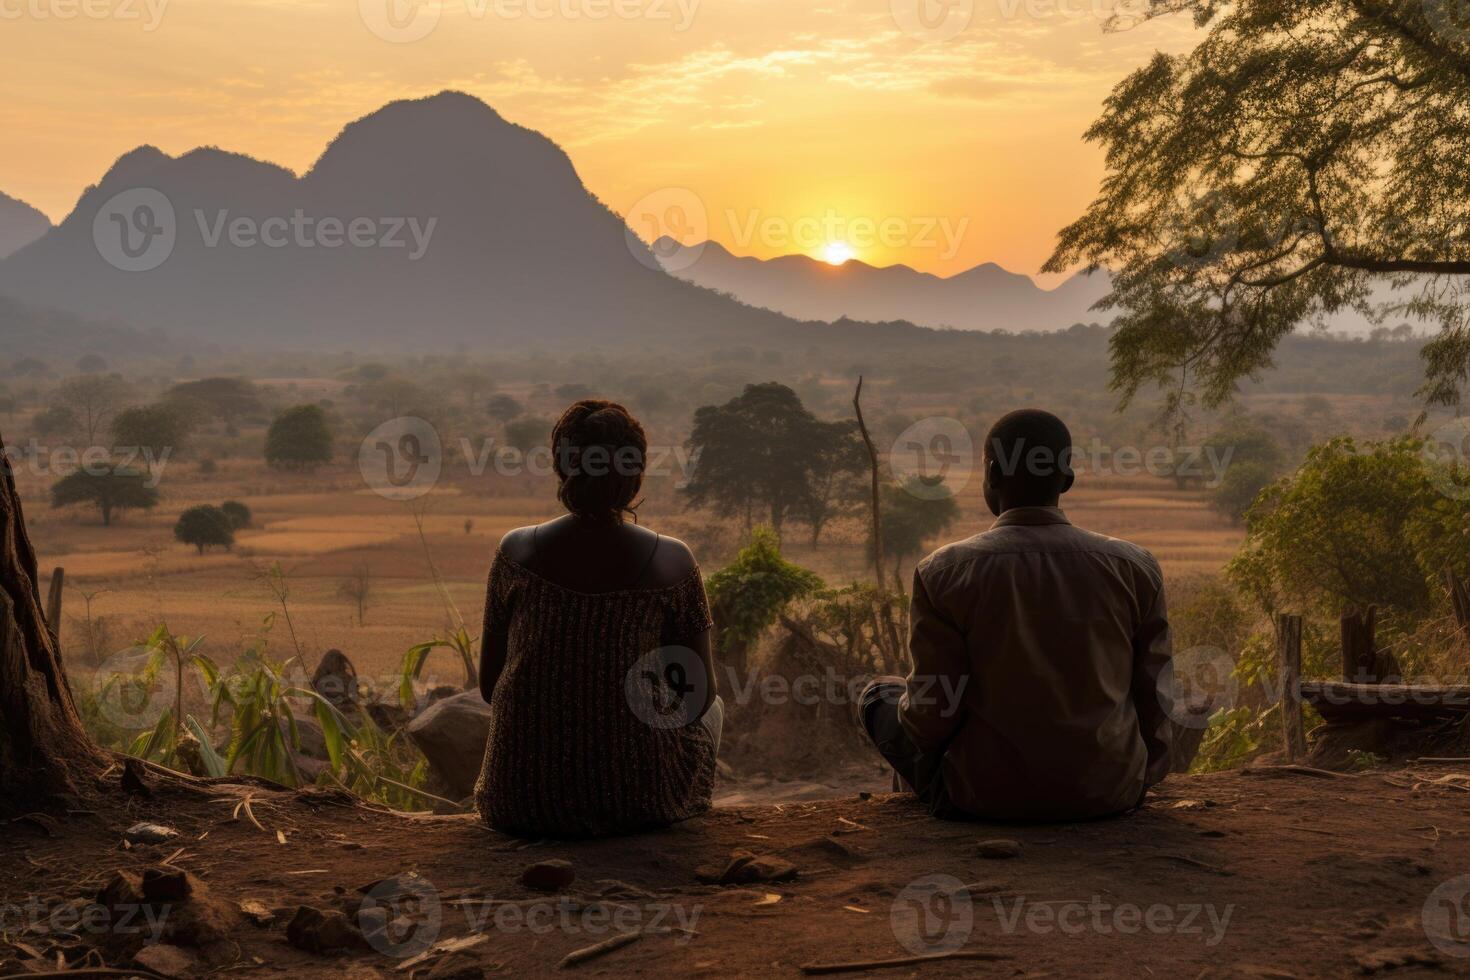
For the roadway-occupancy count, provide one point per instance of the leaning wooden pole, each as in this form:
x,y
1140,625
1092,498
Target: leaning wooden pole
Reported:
x,y
857,406
1289,647
53,606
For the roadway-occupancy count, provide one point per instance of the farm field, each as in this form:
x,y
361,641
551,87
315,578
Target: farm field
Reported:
x,y
323,529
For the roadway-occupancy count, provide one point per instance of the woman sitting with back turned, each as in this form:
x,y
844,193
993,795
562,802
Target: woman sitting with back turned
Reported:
x,y
596,655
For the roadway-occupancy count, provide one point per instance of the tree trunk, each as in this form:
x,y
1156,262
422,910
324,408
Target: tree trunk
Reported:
x,y
44,751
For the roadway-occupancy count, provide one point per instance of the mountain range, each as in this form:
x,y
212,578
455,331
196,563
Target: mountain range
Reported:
x,y
986,297
20,224
430,221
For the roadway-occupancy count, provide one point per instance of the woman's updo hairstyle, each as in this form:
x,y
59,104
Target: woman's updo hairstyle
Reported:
x,y
598,450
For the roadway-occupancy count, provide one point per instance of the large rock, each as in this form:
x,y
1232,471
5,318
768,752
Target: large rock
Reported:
x,y
451,734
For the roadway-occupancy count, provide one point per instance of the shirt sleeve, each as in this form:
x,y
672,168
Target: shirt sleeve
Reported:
x,y
930,708
688,613
1153,697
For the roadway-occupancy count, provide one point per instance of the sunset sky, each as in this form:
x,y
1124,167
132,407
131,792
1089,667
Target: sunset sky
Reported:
x,y
847,119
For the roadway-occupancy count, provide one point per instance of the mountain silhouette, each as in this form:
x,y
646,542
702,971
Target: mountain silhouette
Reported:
x,y
469,228
986,297
20,224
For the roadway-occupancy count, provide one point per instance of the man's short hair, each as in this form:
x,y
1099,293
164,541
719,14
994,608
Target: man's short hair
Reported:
x,y
1034,452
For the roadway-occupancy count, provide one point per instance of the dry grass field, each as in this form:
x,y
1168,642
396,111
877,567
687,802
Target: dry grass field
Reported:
x,y
322,528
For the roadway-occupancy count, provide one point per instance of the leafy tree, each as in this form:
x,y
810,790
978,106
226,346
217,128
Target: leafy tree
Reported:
x,y
528,432
205,526
92,398
837,466
1353,527
299,438
913,515
503,407
1239,488
91,363
759,450
58,421
1298,156
108,488
747,595
156,428
227,399
239,515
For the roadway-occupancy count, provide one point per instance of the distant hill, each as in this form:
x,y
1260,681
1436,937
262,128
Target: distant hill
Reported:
x,y
513,245
20,224
986,297
59,338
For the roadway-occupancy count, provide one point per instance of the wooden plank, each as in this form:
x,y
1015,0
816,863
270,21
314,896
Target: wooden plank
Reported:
x,y
53,606
1341,701
1289,639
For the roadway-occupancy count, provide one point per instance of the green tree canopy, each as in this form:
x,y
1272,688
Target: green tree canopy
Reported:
x,y
299,438
205,526
1304,153
1354,526
239,515
762,450
228,399
749,594
108,488
914,513
158,428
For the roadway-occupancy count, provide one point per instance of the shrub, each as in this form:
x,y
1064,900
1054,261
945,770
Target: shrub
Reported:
x,y
239,515
299,438
205,526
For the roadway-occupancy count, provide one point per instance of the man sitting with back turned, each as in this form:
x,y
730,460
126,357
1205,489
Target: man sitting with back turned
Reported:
x,y
1037,654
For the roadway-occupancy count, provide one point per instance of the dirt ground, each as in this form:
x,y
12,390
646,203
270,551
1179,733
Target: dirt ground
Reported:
x,y
1267,872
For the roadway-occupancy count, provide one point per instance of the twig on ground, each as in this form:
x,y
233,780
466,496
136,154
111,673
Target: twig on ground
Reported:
x,y
579,956
817,969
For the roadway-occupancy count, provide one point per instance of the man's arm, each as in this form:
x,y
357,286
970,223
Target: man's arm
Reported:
x,y
930,708
1153,695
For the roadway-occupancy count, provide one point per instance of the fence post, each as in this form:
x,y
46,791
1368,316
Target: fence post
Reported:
x,y
1289,648
53,607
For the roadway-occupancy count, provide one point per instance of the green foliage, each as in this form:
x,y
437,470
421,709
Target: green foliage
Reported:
x,y
764,451
1275,174
1354,527
238,514
750,593
109,488
528,432
159,429
205,526
228,399
1242,483
299,438
915,513
412,667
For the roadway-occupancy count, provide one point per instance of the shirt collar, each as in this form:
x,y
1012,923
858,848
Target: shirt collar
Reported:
x,y
1030,517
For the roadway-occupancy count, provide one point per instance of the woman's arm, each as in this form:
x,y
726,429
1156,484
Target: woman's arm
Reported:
x,y
492,656
703,646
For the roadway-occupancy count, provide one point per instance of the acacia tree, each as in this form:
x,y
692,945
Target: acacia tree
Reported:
x,y
1306,153
44,751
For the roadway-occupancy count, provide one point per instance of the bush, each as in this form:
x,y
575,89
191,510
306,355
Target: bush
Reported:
x,y
205,526
109,489
299,438
238,514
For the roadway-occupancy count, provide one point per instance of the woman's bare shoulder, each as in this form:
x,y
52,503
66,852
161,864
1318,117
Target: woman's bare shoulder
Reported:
x,y
673,562
517,543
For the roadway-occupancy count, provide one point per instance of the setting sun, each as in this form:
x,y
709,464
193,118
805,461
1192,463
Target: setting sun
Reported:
x,y
837,253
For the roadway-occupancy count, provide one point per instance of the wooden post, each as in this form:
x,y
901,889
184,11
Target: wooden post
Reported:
x,y
1359,647
877,518
1459,598
1289,646
53,607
